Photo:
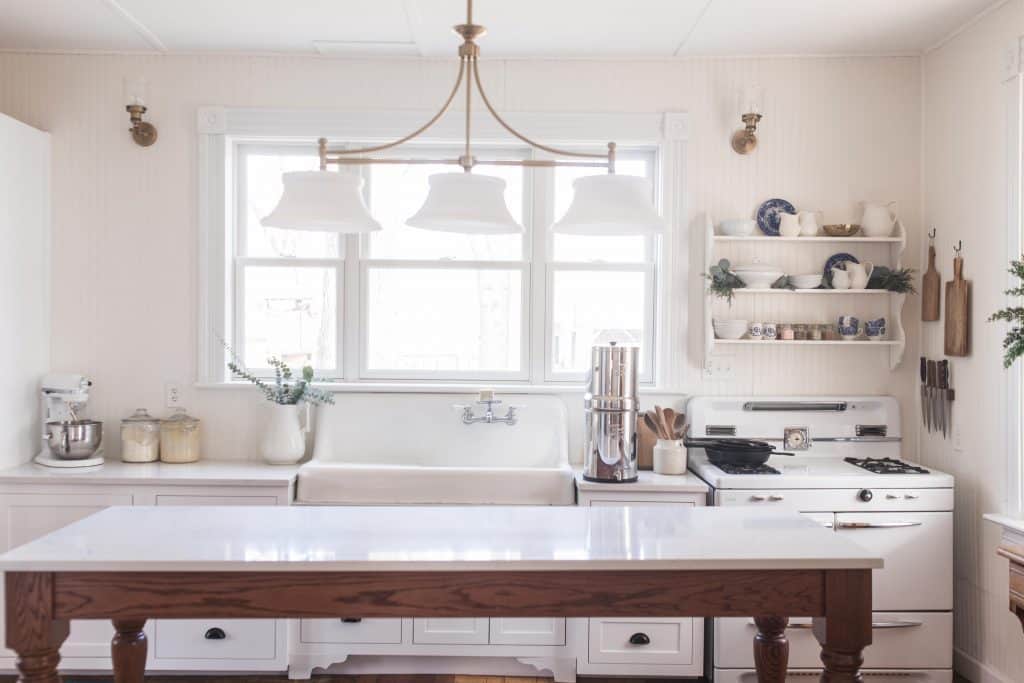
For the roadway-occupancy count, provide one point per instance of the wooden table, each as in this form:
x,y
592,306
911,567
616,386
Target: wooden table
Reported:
x,y
130,564
1011,547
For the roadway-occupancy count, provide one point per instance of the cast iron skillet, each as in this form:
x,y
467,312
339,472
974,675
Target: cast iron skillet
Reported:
x,y
735,451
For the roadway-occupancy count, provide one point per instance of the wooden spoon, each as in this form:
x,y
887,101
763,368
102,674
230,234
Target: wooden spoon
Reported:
x,y
652,424
670,421
663,431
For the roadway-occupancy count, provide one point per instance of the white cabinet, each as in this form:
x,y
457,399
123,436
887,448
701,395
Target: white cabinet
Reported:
x,y
351,631
450,631
527,631
643,641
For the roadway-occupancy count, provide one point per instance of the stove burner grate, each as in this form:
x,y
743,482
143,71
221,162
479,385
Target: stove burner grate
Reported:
x,y
748,469
886,466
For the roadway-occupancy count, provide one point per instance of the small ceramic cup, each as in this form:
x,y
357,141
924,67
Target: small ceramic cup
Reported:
x,y
770,331
875,329
848,321
756,331
669,457
848,332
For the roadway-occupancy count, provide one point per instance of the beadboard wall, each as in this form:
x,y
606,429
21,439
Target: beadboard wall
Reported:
x,y
836,130
964,185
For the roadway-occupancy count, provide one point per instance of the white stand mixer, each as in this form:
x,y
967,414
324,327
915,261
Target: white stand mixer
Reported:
x,y
62,397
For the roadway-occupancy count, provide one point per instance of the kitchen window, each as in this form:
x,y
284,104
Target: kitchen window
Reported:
x,y
406,304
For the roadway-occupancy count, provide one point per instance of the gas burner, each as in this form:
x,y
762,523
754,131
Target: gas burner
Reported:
x,y
886,466
748,469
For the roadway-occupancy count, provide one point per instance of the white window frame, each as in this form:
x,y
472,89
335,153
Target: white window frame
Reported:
x,y
222,130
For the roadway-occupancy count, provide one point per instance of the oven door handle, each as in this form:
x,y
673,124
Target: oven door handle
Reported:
x,y
876,525
807,626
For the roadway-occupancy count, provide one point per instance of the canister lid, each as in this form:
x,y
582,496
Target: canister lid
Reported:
x,y
141,416
180,419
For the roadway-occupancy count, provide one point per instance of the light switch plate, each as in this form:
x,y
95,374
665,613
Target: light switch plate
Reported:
x,y
172,395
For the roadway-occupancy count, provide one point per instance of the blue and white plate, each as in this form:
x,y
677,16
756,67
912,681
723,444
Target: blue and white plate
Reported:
x,y
768,215
837,260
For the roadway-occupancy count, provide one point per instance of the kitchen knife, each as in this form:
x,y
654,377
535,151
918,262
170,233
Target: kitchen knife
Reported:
x,y
925,403
943,384
948,395
933,393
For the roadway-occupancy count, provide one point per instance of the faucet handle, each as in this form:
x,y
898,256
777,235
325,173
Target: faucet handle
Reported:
x,y
459,407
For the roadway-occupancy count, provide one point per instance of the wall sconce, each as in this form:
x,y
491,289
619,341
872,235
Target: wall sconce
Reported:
x,y
744,140
136,92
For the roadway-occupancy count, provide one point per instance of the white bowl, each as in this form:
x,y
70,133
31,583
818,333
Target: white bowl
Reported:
x,y
729,329
757,267
737,227
806,281
759,279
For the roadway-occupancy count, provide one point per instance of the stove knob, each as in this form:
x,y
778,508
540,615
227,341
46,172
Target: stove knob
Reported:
x,y
865,495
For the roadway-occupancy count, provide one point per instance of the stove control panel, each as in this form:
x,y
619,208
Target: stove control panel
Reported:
x,y
796,438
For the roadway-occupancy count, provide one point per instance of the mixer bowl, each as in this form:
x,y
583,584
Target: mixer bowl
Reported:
x,y
75,440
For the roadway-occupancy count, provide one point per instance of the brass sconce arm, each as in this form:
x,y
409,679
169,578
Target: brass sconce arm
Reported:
x,y
744,140
143,133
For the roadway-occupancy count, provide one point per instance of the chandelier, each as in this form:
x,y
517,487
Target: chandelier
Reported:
x,y
461,201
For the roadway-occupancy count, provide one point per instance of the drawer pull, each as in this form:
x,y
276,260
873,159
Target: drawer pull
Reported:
x,y
215,633
640,639
351,620
895,624
876,525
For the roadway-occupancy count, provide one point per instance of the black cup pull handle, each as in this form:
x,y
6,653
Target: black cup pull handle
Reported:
x,y
215,633
640,639
351,620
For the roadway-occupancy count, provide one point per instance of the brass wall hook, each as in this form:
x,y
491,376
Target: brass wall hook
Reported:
x,y
143,132
931,235
959,247
744,141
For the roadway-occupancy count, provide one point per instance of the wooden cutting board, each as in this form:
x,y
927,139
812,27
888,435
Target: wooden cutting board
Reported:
x,y
931,289
958,292
645,444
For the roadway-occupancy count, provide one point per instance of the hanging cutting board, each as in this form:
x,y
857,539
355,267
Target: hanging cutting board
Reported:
x,y
931,289
957,311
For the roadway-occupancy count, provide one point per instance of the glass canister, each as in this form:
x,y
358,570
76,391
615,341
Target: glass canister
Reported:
x,y
140,437
179,438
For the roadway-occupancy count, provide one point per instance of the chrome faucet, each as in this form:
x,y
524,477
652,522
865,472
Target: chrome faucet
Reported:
x,y
488,417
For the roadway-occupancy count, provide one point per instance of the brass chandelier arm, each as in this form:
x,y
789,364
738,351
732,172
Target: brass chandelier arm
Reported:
x,y
610,155
326,153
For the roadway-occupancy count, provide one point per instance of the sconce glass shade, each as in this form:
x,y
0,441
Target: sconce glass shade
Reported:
x,y
466,203
322,201
611,205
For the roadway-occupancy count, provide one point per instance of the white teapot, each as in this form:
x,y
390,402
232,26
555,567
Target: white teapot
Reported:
x,y
879,219
859,273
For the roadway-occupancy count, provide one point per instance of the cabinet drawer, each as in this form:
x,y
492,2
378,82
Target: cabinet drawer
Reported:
x,y
450,631
364,631
642,641
521,631
899,639
609,503
198,639
175,499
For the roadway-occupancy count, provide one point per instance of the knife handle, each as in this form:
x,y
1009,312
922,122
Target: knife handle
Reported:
x,y
943,374
932,373
924,370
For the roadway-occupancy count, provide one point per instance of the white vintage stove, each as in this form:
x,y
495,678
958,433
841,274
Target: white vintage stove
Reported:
x,y
848,474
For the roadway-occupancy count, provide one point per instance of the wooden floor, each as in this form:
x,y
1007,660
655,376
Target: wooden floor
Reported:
x,y
355,679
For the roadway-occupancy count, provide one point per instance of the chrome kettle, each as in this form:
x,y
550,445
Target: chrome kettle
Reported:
x,y
610,412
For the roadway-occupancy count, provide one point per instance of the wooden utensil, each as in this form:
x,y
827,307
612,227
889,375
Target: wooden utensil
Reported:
x,y
663,430
670,421
958,292
646,438
931,287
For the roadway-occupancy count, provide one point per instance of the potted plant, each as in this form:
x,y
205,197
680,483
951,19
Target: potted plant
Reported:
x,y
1013,343
284,440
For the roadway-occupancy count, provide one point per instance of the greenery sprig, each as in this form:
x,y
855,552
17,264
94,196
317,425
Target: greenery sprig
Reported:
x,y
1013,343
899,280
722,281
783,283
286,389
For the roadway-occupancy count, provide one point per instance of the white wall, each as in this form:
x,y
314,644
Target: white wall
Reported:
x,y
24,284
964,162
835,131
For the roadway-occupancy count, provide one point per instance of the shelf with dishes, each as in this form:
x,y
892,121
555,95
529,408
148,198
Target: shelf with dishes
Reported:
x,y
805,277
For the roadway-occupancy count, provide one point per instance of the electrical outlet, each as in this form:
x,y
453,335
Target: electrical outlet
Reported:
x,y
172,394
719,367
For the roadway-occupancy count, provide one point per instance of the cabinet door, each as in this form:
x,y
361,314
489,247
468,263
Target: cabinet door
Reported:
x,y
643,640
541,631
450,631
25,517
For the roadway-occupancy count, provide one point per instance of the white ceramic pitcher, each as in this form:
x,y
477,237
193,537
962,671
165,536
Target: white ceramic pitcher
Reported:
x,y
860,273
789,225
879,219
809,223
284,441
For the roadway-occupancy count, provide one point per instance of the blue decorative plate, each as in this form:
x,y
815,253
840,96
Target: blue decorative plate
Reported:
x,y
835,260
768,215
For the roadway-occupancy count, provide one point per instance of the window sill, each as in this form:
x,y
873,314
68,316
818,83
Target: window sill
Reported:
x,y
440,388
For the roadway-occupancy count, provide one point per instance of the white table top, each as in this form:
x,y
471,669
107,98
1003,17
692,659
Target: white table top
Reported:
x,y
484,538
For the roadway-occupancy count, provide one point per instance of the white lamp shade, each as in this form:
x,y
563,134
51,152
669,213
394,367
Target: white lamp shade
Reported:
x,y
467,203
611,205
322,201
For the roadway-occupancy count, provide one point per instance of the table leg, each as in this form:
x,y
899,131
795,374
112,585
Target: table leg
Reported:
x,y
32,632
845,630
128,650
771,649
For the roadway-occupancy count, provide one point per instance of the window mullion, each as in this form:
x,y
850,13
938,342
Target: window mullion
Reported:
x,y
543,182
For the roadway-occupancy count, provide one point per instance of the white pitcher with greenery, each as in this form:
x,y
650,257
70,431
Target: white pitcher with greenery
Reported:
x,y
284,439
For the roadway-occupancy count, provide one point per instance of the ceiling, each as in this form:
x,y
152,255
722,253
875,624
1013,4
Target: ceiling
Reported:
x,y
520,29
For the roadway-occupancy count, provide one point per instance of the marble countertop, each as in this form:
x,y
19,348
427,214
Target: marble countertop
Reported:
x,y
1015,524
647,482
484,538
204,472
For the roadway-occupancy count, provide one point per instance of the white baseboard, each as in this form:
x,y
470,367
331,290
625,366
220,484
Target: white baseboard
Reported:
x,y
975,671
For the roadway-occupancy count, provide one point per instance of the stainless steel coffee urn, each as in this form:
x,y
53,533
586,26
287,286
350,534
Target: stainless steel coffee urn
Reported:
x,y
610,406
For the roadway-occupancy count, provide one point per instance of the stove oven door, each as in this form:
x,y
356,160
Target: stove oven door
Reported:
x,y
918,552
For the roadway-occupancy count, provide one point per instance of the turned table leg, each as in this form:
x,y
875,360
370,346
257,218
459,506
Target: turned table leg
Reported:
x,y
128,650
771,649
845,630
32,632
